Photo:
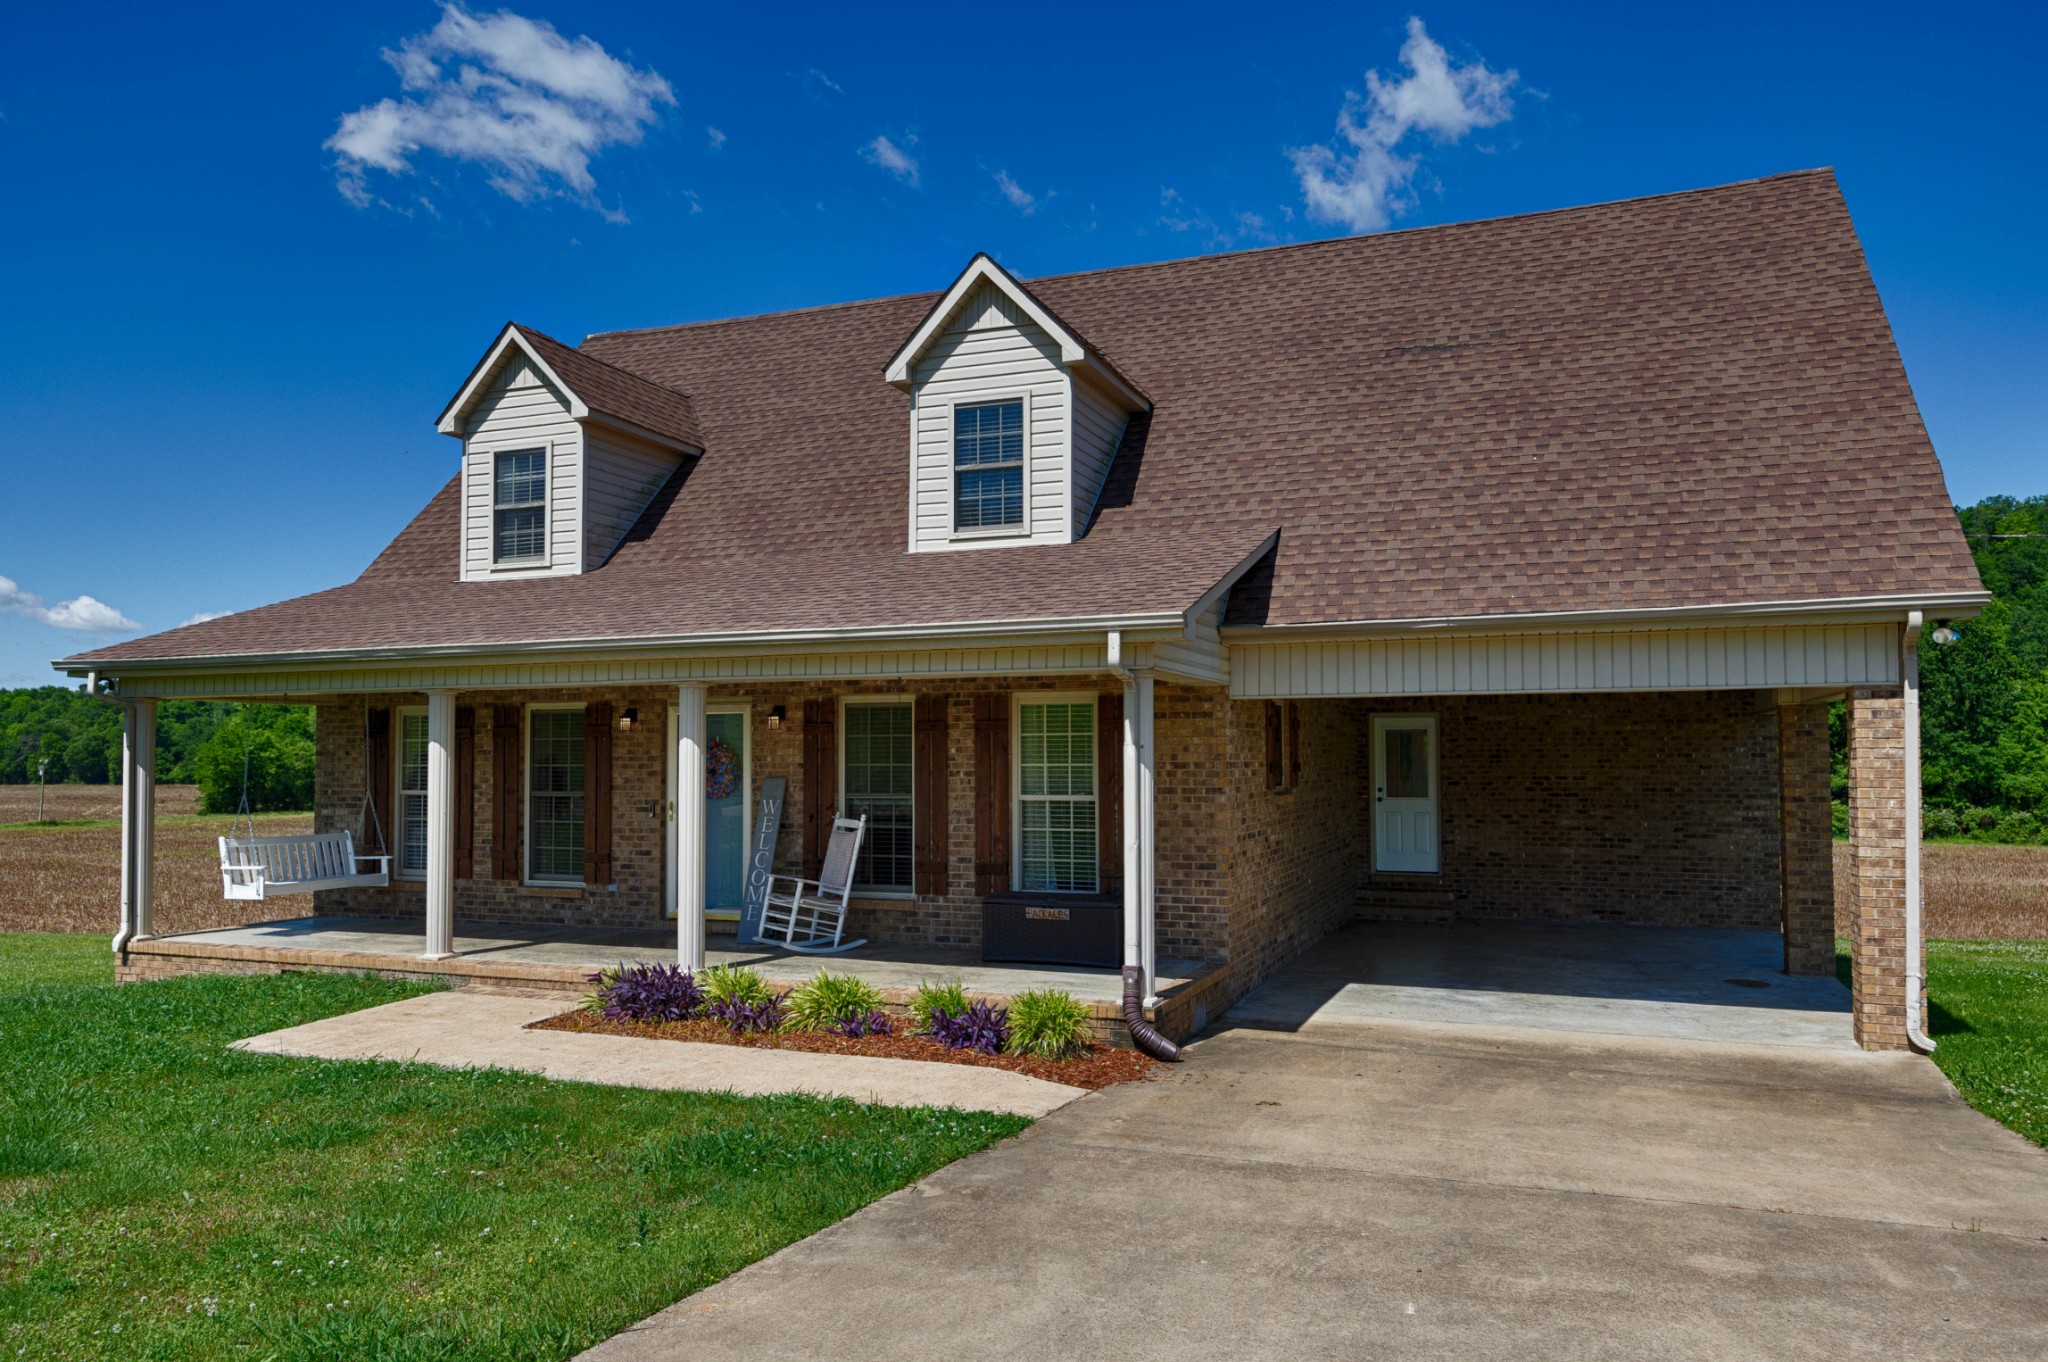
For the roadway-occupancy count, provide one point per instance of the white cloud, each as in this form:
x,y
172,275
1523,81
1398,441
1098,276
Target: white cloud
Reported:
x,y
504,92
892,158
716,138
1367,187
1020,199
80,612
205,615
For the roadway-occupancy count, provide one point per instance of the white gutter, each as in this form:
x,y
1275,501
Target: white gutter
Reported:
x,y
1950,605
1916,951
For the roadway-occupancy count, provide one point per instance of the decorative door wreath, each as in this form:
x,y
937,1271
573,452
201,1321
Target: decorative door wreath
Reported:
x,y
721,769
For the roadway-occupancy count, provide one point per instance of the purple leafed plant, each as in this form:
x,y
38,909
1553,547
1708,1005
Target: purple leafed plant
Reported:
x,y
649,993
983,1026
873,1023
740,1017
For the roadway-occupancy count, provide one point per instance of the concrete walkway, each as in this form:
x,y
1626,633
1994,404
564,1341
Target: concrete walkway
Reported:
x,y
1395,1191
465,1029
1682,983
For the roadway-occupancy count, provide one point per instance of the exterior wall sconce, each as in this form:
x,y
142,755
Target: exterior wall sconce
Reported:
x,y
777,715
627,718
1946,635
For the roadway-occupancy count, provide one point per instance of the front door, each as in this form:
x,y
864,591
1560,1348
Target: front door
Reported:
x,y
723,785
1404,779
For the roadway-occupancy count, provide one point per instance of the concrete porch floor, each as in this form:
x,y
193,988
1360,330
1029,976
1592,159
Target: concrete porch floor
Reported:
x,y
1678,983
561,956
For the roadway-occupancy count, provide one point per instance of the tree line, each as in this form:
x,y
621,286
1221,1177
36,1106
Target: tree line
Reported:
x,y
198,742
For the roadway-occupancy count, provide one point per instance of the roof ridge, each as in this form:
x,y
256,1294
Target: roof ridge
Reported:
x,y
586,356
1328,242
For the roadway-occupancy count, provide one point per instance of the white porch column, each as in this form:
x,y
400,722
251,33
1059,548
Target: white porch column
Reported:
x,y
440,825
138,819
1140,898
689,849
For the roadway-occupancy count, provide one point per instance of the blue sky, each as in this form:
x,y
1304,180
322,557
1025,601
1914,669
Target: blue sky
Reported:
x,y
231,315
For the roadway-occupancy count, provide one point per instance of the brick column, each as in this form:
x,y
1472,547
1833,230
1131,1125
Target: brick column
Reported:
x,y
1877,833
1806,863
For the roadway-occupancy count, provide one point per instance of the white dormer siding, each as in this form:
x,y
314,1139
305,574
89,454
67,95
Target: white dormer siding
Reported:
x,y
1099,422
621,475
520,411
989,352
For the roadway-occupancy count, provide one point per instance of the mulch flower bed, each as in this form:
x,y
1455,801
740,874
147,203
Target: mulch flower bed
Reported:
x,y
1100,1067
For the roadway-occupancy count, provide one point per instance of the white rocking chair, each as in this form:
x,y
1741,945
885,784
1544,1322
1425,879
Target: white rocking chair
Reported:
x,y
809,917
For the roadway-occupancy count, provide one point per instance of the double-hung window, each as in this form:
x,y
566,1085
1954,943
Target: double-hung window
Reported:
x,y
412,794
988,466
877,774
554,796
519,507
1056,796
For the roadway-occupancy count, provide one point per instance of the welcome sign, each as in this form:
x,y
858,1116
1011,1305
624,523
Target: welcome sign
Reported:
x,y
761,858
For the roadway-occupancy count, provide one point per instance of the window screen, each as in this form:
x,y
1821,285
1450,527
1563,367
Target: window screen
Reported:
x,y
988,466
520,506
1056,796
554,795
878,784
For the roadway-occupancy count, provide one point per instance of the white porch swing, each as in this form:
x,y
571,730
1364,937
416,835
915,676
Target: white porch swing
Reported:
x,y
253,867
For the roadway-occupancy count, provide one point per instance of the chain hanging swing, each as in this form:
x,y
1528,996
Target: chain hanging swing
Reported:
x,y
253,867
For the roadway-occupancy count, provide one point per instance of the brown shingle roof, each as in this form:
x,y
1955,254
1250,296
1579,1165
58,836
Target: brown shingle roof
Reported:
x,y
1669,402
612,391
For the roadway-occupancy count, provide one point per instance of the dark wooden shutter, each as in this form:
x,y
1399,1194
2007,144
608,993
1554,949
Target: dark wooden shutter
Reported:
x,y
928,794
1109,791
992,793
597,794
1293,744
465,792
377,777
821,780
506,784
1273,756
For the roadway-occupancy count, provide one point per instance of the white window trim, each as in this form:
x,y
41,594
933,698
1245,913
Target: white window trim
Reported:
x,y
518,566
847,702
526,875
1019,699
983,399
398,717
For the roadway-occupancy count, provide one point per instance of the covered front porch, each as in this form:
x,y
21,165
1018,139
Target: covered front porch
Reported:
x,y
561,958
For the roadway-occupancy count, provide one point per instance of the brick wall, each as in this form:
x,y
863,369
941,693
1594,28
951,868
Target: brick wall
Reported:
x,y
1651,808
1806,840
1295,853
1877,841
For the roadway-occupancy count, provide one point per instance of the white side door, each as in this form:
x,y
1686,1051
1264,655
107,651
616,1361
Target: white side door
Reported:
x,y
1404,779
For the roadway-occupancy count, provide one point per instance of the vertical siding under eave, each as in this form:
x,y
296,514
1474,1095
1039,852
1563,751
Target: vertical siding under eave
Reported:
x,y
521,411
1624,660
1098,430
620,476
989,350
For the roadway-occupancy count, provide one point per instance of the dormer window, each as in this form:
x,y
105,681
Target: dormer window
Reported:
x,y
520,507
988,466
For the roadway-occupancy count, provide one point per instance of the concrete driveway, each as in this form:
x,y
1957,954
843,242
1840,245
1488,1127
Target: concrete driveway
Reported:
x,y
1404,1190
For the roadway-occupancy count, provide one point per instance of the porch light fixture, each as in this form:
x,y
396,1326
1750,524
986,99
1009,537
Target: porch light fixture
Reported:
x,y
628,718
777,715
1945,635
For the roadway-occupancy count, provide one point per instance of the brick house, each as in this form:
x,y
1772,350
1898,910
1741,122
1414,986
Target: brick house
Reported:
x,y
1495,570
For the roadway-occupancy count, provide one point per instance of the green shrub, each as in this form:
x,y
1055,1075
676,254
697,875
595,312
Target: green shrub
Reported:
x,y
1049,1024
600,982
830,1000
1841,818
734,984
949,998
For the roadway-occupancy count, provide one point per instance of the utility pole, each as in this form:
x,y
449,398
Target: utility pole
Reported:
x,y
42,767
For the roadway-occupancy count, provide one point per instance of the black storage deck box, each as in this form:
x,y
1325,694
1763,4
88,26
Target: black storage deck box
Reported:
x,y
1052,929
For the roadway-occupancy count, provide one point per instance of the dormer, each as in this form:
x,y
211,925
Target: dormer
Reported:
x,y
560,455
1014,418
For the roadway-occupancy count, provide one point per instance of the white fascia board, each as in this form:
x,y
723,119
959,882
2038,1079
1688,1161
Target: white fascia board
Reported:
x,y
982,270
976,633
1826,610
450,422
1229,580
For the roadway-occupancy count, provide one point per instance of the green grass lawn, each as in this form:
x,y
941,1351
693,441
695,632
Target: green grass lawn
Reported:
x,y
1987,1005
164,1197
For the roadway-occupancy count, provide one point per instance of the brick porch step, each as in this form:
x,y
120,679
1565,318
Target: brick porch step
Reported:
x,y
1400,903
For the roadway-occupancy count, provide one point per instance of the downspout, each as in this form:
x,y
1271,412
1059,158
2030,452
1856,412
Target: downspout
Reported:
x,y
1916,966
1143,1033
126,932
